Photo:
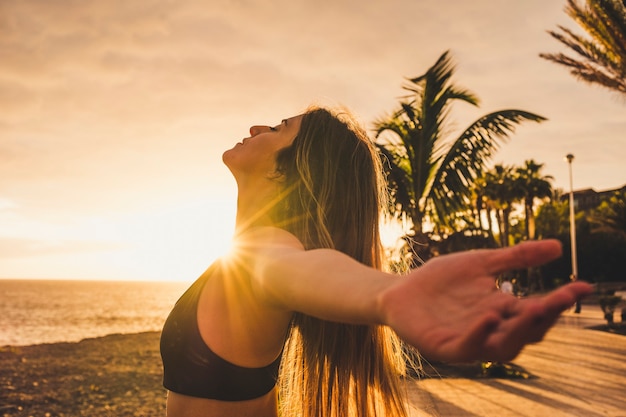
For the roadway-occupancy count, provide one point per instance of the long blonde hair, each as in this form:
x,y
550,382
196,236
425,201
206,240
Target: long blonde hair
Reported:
x,y
335,194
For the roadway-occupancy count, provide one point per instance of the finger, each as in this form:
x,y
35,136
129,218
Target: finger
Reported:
x,y
535,316
555,303
528,323
540,320
524,255
472,345
564,297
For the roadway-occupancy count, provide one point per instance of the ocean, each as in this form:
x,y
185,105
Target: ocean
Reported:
x,y
49,311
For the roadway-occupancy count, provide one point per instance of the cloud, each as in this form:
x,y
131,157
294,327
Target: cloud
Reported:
x,y
11,248
117,106
6,204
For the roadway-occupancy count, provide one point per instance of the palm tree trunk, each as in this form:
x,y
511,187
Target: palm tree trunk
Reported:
x,y
506,214
500,220
490,224
527,215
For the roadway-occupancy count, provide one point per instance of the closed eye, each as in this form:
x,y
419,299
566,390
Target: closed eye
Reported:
x,y
273,129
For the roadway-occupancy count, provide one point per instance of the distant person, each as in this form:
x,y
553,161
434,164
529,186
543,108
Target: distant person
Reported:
x,y
300,320
506,287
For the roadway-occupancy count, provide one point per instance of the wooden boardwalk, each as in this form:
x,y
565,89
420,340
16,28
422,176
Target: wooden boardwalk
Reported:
x,y
575,371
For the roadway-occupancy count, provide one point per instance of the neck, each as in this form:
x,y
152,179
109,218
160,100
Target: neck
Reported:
x,y
254,205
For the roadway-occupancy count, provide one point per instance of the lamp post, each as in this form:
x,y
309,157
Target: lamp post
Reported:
x,y
572,226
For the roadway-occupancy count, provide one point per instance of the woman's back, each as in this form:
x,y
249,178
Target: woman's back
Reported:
x,y
221,347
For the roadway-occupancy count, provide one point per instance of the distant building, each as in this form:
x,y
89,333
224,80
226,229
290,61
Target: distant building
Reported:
x,y
589,198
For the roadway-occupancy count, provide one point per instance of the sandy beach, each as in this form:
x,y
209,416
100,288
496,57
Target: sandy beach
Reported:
x,y
574,371
116,375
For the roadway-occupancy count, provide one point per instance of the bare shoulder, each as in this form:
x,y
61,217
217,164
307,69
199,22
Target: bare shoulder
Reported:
x,y
257,251
267,239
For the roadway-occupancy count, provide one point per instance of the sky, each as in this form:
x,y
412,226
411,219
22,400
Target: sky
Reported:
x,y
114,114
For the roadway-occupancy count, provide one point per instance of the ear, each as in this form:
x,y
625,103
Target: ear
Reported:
x,y
276,175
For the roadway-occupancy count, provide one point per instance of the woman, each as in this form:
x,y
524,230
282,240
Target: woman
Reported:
x,y
303,297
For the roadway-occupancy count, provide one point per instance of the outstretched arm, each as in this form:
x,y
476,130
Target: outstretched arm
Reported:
x,y
449,308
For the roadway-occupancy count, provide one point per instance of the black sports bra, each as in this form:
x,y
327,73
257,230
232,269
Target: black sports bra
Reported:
x,y
191,368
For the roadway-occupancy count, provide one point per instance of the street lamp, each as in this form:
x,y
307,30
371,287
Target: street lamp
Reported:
x,y
572,226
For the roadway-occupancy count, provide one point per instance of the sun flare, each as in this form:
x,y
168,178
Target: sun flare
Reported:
x,y
179,243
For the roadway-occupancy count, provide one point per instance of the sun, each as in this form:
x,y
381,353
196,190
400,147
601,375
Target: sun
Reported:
x,y
177,241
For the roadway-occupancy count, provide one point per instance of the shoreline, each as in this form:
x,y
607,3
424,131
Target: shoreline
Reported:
x,y
10,346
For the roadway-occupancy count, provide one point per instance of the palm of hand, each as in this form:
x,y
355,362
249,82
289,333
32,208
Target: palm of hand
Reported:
x,y
451,310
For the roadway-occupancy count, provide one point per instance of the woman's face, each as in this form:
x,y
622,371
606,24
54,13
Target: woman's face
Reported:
x,y
256,155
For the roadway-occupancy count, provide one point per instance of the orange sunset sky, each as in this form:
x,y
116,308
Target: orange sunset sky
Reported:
x,y
114,114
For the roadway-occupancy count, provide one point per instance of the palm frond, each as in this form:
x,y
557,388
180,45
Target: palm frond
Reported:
x,y
398,179
602,55
465,161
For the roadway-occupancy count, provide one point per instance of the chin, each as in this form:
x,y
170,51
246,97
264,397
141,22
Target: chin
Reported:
x,y
228,159
227,154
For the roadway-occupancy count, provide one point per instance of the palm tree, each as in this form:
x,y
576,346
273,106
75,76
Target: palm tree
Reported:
x,y
485,207
430,174
552,220
602,57
502,190
533,185
480,206
610,217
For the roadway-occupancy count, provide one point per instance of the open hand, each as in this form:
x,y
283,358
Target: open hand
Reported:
x,y
451,310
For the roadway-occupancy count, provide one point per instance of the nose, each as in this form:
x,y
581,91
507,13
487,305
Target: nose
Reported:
x,y
255,130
